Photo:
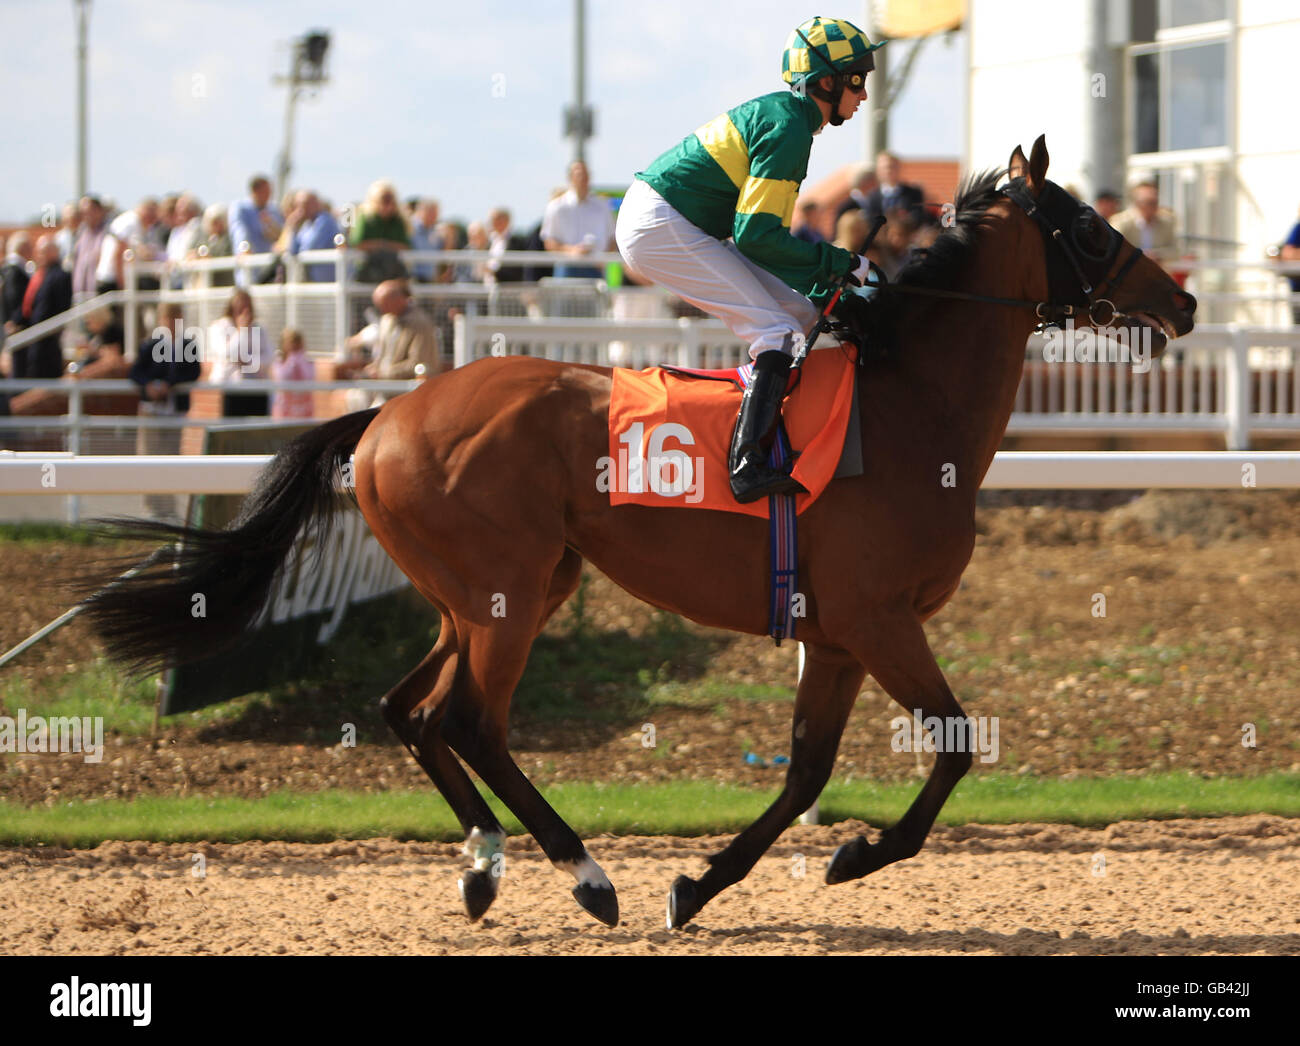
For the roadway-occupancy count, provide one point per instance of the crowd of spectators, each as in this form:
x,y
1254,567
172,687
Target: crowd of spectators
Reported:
x,y
86,255
92,239
913,224
878,191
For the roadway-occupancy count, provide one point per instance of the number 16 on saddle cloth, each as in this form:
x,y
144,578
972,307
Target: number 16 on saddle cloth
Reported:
x,y
670,433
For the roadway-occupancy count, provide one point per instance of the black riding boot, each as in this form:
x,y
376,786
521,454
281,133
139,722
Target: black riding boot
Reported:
x,y
751,476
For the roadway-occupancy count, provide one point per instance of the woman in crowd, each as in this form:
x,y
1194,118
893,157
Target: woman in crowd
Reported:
x,y
238,351
214,242
381,231
851,230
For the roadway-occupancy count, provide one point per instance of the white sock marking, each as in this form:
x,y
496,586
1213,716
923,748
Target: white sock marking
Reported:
x,y
586,872
484,847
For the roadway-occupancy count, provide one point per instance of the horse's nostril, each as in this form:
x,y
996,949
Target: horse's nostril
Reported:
x,y
1184,301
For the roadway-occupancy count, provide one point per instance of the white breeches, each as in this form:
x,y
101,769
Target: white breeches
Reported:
x,y
661,245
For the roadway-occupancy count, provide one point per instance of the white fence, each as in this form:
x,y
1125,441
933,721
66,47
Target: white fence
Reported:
x,y
108,433
1230,381
1253,293
1011,470
1223,380
328,312
1227,381
632,343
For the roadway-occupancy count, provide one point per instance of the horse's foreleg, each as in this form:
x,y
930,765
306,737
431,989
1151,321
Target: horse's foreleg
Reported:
x,y
830,684
901,661
414,709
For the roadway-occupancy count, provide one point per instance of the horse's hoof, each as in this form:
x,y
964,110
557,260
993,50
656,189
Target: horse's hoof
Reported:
x,y
600,901
478,890
682,903
848,862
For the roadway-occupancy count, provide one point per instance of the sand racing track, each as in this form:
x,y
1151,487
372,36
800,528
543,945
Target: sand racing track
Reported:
x,y
1222,886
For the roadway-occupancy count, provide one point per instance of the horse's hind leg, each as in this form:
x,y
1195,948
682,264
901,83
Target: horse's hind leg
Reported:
x,y
900,659
414,709
480,741
829,687
492,660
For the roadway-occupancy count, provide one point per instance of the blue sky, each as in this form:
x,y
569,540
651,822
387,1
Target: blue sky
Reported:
x,y
458,101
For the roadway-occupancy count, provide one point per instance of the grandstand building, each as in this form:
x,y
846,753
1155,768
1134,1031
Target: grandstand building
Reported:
x,y
1189,92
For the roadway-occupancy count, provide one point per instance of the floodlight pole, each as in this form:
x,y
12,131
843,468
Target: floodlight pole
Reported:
x,y
1101,132
285,164
306,70
581,125
81,11
875,133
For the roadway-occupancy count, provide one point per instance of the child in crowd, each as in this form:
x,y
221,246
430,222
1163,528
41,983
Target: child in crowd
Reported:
x,y
292,364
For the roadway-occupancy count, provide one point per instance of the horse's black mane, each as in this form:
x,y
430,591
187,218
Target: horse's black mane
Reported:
x,y
937,265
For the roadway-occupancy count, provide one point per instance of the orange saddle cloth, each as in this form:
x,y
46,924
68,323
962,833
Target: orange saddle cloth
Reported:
x,y
670,434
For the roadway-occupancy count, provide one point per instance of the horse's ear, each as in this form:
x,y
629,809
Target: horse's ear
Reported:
x,y
1017,166
1036,177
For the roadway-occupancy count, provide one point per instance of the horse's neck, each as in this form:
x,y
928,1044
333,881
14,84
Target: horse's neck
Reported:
x,y
971,354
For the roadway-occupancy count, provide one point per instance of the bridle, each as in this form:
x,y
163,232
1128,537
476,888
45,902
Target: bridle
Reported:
x,y
1081,263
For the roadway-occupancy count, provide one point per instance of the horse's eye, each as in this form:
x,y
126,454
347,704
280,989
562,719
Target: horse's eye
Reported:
x,y
1092,234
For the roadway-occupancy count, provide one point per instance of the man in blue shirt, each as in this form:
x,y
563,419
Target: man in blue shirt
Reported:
x,y
425,237
892,195
255,223
314,229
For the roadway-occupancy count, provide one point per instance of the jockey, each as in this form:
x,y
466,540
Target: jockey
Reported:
x,y
710,220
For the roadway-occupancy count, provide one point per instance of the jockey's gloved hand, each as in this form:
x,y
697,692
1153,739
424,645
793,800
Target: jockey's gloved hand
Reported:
x,y
866,292
854,308
861,270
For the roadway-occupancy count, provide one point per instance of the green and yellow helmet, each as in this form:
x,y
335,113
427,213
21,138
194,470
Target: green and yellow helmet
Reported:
x,y
826,47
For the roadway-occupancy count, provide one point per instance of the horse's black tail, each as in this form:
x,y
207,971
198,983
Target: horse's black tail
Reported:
x,y
183,604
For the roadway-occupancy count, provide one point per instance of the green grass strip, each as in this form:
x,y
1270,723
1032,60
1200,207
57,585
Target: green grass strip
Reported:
x,y
41,533
1010,799
674,808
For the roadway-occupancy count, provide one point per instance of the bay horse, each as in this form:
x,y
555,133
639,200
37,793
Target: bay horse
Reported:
x,y
480,484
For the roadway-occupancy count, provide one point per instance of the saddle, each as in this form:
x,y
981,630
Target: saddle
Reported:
x,y
670,432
